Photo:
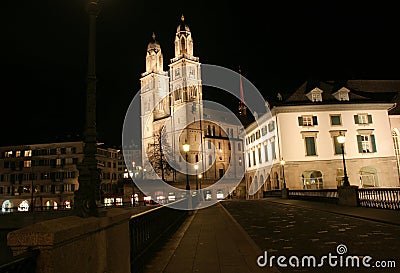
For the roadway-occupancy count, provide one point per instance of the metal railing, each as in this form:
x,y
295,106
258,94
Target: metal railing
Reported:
x,y
272,193
23,263
149,229
326,195
385,198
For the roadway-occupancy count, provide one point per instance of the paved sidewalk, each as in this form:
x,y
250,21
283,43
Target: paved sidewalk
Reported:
x,y
209,241
387,216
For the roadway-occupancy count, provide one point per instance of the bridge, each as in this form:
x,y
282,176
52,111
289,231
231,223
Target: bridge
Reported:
x,y
229,236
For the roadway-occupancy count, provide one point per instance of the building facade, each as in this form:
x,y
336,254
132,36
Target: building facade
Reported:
x,y
172,113
46,175
296,143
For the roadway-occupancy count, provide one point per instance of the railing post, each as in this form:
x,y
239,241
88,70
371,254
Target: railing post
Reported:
x,y
285,193
348,196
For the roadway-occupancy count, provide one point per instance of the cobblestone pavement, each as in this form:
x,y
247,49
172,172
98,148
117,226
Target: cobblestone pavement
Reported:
x,y
286,230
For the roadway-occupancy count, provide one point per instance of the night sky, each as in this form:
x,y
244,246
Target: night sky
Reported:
x,y
278,46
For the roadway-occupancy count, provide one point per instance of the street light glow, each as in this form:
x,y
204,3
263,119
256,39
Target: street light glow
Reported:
x,y
341,138
186,147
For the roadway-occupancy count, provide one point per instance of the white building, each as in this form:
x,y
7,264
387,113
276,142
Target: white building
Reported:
x,y
301,132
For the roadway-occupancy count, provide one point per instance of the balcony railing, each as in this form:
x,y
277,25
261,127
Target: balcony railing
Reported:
x,y
326,195
385,198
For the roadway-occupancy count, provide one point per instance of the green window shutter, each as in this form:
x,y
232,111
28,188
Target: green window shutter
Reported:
x,y
360,149
369,119
356,119
338,146
300,119
373,143
315,120
310,146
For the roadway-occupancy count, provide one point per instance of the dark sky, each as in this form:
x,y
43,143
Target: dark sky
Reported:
x,y
278,46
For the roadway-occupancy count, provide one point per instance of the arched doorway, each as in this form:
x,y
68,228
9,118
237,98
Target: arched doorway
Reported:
x,y
368,177
312,179
7,206
23,206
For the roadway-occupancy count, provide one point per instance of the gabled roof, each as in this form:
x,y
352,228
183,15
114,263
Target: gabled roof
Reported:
x,y
366,91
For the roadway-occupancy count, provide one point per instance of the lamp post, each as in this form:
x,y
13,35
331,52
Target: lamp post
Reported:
x,y
283,172
186,148
88,192
341,139
196,167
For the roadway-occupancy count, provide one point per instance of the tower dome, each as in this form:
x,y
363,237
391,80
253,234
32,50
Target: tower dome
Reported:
x,y
153,45
182,26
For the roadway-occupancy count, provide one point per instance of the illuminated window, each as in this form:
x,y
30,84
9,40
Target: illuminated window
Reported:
x,y
17,153
266,152
362,119
273,152
27,163
28,153
8,154
337,145
308,120
310,146
366,143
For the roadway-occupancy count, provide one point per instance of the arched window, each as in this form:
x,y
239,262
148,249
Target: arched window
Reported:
x,y
7,206
396,141
23,206
368,177
183,47
312,179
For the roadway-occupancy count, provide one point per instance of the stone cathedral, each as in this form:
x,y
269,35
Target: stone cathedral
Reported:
x,y
173,114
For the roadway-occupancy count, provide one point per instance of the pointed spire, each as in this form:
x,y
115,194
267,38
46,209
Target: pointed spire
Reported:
x,y
153,36
182,18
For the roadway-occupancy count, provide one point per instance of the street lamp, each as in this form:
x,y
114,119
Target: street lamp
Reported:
x,y
200,177
341,139
283,172
89,177
186,148
196,167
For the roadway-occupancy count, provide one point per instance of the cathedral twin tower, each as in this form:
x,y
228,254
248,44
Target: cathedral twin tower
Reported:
x,y
166,97
173,113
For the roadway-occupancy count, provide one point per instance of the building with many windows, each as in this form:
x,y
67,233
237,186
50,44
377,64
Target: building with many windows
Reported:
x,y
46,174
297,142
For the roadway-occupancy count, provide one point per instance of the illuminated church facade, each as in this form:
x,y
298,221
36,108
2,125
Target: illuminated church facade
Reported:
x,y
173,114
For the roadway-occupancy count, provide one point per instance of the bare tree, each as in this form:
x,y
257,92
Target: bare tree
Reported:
x,y
156,153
